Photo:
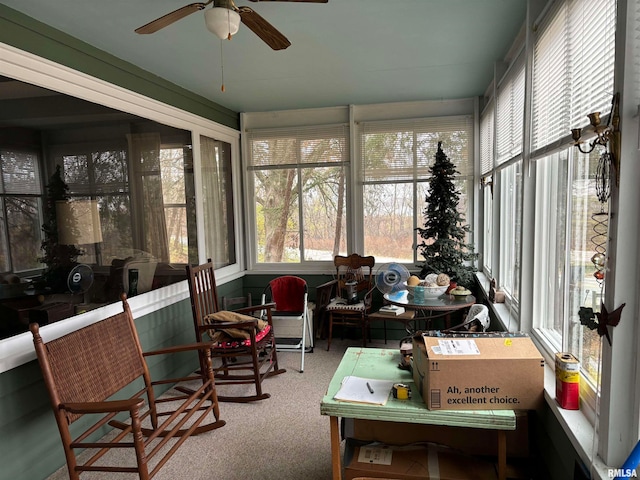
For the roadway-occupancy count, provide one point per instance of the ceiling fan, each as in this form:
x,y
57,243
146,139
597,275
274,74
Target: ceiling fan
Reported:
x,y
224,18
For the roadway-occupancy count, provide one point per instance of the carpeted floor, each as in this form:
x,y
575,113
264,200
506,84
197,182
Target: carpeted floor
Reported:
x,y
280,438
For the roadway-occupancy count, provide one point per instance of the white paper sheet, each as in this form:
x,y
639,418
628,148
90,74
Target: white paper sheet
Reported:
x,y
356,389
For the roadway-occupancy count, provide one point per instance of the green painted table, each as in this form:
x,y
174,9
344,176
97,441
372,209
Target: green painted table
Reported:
x,y
382,364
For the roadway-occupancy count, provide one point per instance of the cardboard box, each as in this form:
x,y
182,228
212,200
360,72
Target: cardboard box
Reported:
x,y
413,462
472,441
496,371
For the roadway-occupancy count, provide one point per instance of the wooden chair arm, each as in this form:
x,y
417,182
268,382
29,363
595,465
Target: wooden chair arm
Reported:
x,y
324,293
368,297
255,308
181,348
328,284
108,406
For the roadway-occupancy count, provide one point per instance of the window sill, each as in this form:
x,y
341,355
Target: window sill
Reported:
x,y
575,424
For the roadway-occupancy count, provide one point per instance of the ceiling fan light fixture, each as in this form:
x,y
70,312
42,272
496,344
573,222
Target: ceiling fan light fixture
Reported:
x,y
223,22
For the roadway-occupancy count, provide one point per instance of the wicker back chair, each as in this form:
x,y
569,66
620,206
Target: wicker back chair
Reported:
x,y
237,361
85,372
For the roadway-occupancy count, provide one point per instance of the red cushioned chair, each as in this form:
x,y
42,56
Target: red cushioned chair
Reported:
x,y
289,293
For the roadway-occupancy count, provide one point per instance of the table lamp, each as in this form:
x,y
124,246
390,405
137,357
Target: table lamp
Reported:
x,y
78,222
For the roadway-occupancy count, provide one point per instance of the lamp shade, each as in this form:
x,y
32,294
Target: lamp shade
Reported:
x,y
78,222
222,21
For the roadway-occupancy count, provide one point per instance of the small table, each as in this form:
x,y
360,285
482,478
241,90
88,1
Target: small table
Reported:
x,y
378,363
430,308
407,318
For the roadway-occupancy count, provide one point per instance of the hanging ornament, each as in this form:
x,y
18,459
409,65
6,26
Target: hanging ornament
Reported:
x,y
604,319
599,240
598,260
603,177
601,219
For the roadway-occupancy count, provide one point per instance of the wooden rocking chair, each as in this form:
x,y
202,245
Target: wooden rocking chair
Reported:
x,y
86,371
243,361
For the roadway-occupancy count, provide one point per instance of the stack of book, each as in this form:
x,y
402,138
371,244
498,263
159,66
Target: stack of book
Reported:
x,y
392,310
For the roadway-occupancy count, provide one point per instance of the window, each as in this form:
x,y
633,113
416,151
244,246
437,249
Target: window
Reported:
x,y
20,210
487,138
49,135
140,182
141,177
567,85
568,221
300,177
92,172
217,192
510,231
508,127
396,157
510,114
487,222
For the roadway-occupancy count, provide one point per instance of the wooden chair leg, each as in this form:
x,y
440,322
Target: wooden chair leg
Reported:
x,y
364,333
384,327
330,331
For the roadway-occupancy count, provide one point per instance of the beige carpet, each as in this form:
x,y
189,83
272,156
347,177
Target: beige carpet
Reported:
x,y
280,438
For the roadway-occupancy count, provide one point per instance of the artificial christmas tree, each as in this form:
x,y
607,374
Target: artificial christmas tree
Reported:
x,y
58,258
444,246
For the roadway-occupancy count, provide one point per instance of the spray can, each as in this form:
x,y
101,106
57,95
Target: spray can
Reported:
x,y
567,381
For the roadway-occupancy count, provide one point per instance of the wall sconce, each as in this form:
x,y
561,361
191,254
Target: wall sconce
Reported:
x,y
607,136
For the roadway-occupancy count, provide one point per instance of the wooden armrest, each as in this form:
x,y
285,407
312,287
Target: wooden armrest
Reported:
x,y
255,308
107,406
324,293
368,297
328,284
181,348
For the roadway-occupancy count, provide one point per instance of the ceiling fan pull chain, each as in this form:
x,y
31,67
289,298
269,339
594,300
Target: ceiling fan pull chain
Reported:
x,y
221,66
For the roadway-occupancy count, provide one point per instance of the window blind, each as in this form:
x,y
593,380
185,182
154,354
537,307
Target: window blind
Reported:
x,y
510,113
403,150
20,174
487,127
291,146
573,64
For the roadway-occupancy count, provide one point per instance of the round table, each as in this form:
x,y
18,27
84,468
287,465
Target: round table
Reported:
x,y
430,308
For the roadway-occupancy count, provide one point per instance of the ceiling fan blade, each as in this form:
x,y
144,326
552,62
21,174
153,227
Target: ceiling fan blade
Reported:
x,y
301,1
170,18
263,29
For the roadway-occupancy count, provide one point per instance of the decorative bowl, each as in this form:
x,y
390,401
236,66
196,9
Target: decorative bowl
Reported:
x,y
428,292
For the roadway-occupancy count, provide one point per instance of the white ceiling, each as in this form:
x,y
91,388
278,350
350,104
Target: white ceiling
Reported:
x,y
343,52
